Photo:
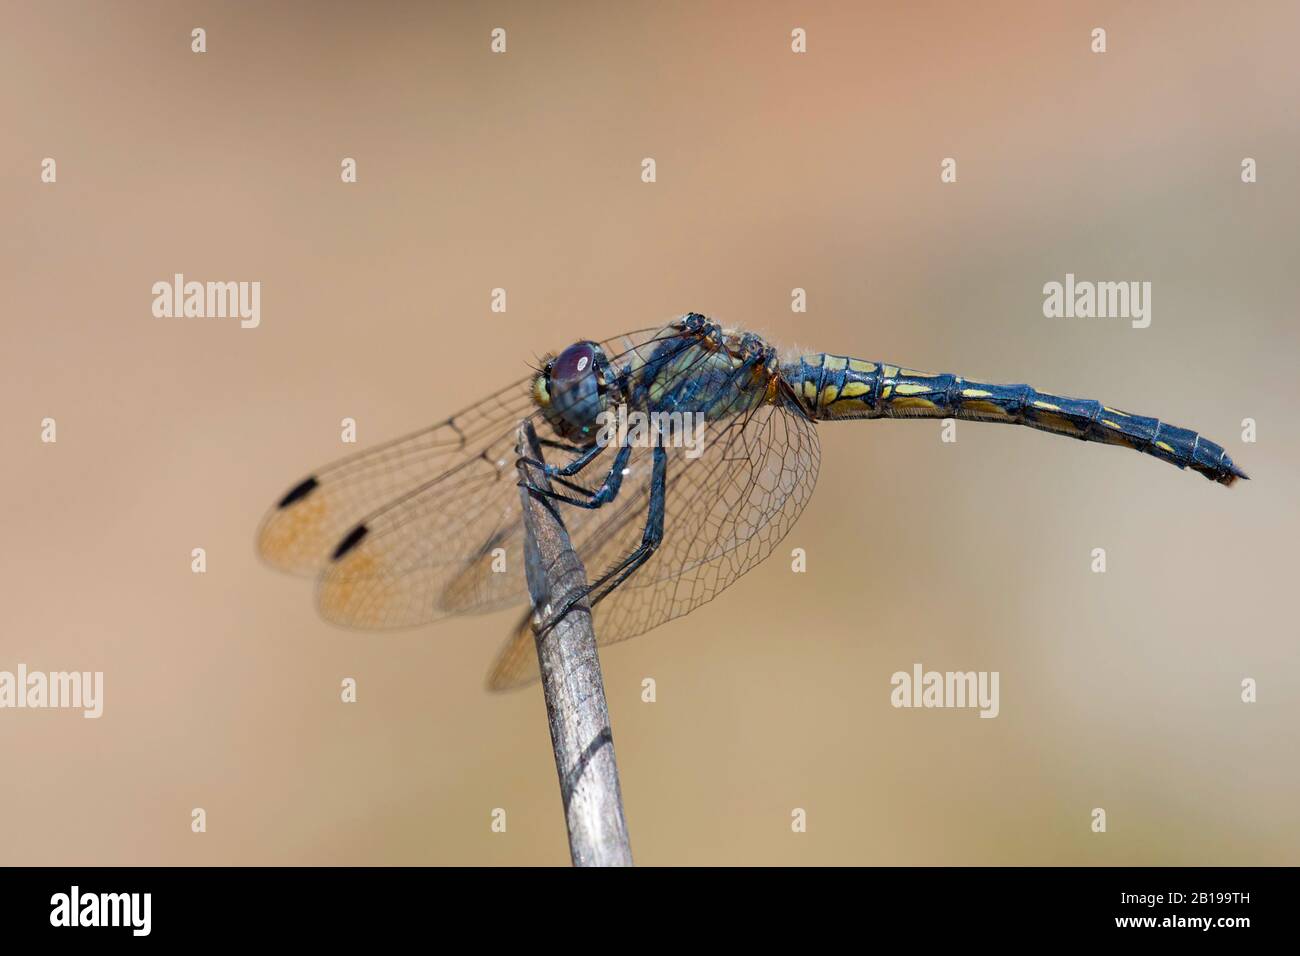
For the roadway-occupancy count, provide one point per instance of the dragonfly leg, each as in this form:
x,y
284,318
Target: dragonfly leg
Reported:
x,y
562,445
606,493
573,485
585,458
650,539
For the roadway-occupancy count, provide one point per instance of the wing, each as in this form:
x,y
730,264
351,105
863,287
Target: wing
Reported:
x,y
409,532
724,513
302,532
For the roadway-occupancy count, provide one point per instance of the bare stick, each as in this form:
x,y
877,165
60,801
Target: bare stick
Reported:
x,y
575,694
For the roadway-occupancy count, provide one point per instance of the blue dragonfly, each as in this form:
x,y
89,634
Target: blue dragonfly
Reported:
x,y
429,525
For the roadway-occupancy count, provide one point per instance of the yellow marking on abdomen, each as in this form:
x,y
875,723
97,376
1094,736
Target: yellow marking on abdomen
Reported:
x,y
889,371
911,388
1047,405
913,403
1109,424
828,395
1167,448
975,393
858,365
985,408
809,391
849,404
836,362
1058,422
1116,411
854,389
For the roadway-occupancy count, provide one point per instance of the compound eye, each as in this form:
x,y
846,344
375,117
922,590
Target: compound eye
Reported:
x,y
574,363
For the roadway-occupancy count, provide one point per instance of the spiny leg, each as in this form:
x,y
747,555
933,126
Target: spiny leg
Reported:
x,y
651,536
585,457
562,445
606,493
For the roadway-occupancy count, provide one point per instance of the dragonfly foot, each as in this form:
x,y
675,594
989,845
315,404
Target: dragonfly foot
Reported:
x,y
543,627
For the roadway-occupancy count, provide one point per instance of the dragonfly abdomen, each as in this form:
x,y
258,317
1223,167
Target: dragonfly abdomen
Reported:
x,y
837,386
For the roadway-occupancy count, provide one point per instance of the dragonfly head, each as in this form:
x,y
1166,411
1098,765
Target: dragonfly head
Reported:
x,y
570,391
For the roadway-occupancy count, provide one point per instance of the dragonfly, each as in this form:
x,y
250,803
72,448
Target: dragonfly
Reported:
x,y
668,514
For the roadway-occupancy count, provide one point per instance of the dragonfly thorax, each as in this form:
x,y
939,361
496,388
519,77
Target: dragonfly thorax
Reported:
x,y
570,391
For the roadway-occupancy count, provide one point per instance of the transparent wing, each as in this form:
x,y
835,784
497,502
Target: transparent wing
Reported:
x,y
392,572
727,510
494,578
301,533
439,535
724,513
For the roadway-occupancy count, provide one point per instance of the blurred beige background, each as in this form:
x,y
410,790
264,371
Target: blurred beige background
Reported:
x,y
774,171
